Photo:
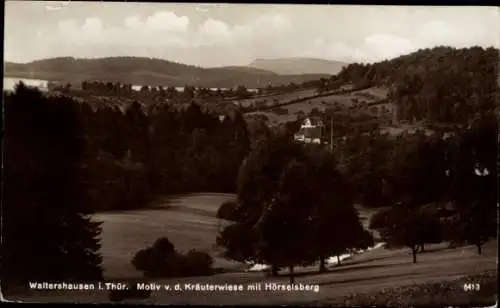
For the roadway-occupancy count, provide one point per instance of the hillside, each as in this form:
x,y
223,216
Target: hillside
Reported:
x,y
294,66
441,86
140,71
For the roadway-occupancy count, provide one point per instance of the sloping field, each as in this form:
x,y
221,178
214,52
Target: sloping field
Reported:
x,y
370,272
346,101
373,93
282,97
189,222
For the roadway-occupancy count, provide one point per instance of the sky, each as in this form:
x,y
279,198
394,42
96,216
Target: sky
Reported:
x,y
211,35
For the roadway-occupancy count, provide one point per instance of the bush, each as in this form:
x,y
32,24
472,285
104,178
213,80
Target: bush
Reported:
x,y
161,260
227,211
146,258
164,246
172,266
198,263
141,260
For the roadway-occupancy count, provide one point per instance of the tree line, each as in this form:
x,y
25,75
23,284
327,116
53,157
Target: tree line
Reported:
x,y
65,160
130,154
295,202
294,208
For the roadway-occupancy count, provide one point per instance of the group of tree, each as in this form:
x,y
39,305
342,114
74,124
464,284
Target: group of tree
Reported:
x,y
440,189
65,161
442,84
293,208
187,92
47,234
129,156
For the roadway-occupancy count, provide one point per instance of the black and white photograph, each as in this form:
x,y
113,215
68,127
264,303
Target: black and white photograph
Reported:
x,y
250,154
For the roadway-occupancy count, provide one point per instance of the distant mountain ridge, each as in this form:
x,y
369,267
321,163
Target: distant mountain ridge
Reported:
x,y
139,71
297,66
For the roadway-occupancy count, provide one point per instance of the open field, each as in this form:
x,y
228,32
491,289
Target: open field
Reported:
x,y
189,222
367,273
346,102
277,98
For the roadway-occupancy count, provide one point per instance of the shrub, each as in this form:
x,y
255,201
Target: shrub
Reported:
x,y
227,211
164,246
172,266
198,263
141,260
146,258
161,260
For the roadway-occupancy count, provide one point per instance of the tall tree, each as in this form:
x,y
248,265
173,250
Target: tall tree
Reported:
x,y
285,222
46,233
474,182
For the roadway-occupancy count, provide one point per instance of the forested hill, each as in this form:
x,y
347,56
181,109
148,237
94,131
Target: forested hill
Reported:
x,y
140,71
439,85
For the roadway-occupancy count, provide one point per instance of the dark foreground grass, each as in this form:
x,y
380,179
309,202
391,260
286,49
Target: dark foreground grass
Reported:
x,y
438,293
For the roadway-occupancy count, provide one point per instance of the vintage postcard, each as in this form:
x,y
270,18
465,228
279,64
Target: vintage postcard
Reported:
x,y
253,154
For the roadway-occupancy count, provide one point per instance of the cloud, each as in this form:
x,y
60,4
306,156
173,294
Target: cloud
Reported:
x,y
167,21
158,30
461,35
133,22
272,33
267,26
373,48
52,8
214,31
92,26
382,46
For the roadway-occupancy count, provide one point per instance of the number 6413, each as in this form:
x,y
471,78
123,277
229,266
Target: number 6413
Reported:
x,y
474,287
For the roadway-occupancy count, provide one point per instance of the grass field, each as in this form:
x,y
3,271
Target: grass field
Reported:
x,y
188,221
279,97
374,272
344,101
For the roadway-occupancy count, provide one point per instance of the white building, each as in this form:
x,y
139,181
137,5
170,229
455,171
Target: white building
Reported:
x,y
311,131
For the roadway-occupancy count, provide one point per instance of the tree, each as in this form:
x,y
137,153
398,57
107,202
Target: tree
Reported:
x,y
418,171
47,234
239,240
333,212
242,92
257,185
285,223
171,92
189,92
136,126
473,184
403,226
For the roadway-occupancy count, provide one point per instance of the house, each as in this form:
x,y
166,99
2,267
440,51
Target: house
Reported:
x,y
311,131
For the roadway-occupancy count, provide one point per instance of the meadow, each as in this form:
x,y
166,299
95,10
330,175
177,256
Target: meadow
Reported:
x,y
189,222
